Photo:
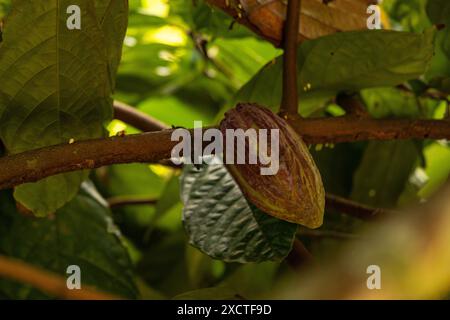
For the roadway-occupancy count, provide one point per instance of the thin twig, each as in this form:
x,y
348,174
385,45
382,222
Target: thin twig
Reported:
x,y
47,282
117,202
137,119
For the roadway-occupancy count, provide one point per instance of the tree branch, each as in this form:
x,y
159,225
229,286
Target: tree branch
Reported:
x,y
152,147
47,282
289,103
137,119
117,202
41,163
351,129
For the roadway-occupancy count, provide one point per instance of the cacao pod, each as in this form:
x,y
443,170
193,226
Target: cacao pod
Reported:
x,y
295,193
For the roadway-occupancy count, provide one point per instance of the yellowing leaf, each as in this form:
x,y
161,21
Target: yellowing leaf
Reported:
x,y
318,18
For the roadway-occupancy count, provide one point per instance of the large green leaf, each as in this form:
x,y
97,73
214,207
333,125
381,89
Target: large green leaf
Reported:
x,y
112,16
345,61
82,233
221,223
55,86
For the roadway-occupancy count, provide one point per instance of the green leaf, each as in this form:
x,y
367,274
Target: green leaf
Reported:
x,y
166,204
169,197
437,157
391,102
253,281
345,61
221,223
337,165
55,88
240,59
82,233
383,172
163,265
438,12
112,16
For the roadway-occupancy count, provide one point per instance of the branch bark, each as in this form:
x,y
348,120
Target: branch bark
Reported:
x,y
137,119
47,282
352,129
152,147
41,163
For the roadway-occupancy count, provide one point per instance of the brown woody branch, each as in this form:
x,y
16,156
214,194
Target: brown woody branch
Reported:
x,y
117,202
152,147
352,129
136,118
38,164
47,282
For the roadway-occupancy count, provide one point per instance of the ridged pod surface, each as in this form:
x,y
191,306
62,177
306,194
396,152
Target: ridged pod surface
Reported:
x,y
295,193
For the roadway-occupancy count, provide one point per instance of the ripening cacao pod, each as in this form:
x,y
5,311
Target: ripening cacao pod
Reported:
x,y
295,191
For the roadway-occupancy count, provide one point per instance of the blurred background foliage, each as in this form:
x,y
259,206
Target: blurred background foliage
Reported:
x,y
185,61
